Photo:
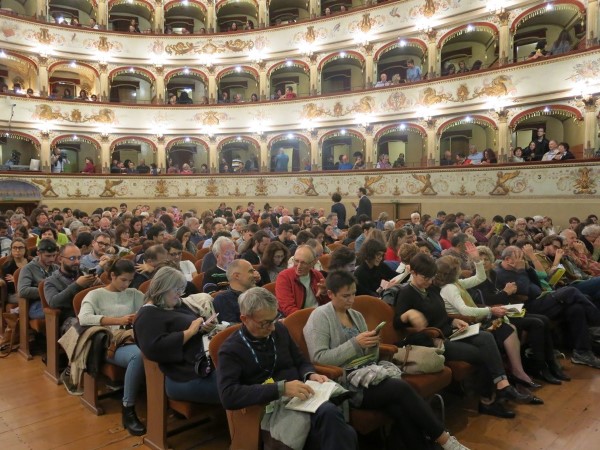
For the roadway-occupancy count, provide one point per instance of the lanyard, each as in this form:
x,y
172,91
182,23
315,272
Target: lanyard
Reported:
x,y
270,373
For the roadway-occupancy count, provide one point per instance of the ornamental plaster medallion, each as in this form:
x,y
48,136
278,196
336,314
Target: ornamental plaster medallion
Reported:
x,y
161,189
585,183
212,188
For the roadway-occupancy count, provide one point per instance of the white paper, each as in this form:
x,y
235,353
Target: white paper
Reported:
x,y
322,393
471,331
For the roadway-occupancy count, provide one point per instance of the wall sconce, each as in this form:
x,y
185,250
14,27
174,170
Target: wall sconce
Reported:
x,y
584,94
45,131
365,121
160,137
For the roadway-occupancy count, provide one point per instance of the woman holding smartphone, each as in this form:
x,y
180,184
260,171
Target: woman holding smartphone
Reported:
x,y
336,334
170,334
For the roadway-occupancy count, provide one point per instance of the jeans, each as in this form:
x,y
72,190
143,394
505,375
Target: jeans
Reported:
x,y
413,419
130,358
481,351
36,311
198,390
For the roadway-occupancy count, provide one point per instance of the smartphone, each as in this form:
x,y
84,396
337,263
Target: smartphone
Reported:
x,y
91,271
211,319
136,235
379,327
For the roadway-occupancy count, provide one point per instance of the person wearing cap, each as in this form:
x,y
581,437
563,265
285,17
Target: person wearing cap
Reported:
x,y
40,268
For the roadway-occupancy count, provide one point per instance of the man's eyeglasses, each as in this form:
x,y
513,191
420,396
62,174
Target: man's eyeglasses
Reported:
x,y
103,244
72,258
424,277
175,254
265,324
303,263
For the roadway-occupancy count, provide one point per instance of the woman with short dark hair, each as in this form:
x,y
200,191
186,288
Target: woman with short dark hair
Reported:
x,y
372,270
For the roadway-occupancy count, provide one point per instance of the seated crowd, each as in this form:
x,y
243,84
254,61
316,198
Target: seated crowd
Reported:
x,y
150,269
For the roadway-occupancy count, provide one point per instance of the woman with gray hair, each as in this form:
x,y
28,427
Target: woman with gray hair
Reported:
x,y
169,333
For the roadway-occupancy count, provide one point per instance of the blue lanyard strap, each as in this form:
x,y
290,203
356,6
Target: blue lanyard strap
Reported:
x,y
270,373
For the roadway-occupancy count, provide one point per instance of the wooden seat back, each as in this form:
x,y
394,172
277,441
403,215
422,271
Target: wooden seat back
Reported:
x,y
270,287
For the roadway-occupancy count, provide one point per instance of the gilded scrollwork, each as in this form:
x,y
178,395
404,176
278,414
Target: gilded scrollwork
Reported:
x,y
212,48
45,112
108,188
305,186
585,183
212,188
432,97
502,188
161,189
370,183
424,188
48,190
210,118
499,87
262,188
102,44
396,101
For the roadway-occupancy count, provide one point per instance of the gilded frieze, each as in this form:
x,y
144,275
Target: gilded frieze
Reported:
x,y
48,190
109,190
502,186
47,113
424,185
305,186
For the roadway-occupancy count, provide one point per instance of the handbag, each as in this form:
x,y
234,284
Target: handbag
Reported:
x,y
10,340
416,359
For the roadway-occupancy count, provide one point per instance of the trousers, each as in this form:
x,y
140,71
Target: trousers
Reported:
x,y
130,358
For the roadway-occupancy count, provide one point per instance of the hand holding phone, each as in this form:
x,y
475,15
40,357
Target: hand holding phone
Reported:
x,y
379,327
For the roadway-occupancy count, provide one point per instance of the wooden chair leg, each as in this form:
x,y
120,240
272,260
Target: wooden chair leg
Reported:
x,y
24,329
156,416
90,394
52,347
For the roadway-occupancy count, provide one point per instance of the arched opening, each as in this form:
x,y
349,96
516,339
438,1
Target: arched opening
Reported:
x,y
297,150
393,61
187,17
238,83
342,72
470,47
560,124
18,73
17,150
294,74
64,11
122,13
131,85
238,12
186,150
75,149
239,155
546,23
458,134
404,144
130,152
20,7
282,12
341,147
69,78
190,81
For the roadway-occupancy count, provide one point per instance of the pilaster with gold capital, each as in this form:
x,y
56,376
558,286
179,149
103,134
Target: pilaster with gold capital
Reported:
x,y
433,62
161,155
315,157
433,153
104,86
315,84
370,150
211,17
45,153
263,13
212,157
160,84
263,83
591,19
504,39
313,8
40,9
43,80
503,136
212,88
263,160
590,120
102,14
159,17
105,154
370,72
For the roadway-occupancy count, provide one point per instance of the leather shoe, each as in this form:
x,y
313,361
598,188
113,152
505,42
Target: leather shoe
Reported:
x,y
557,371
510,393
528,384
496,409
536,400
548,377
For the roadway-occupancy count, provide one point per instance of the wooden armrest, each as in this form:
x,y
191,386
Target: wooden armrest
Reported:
x,y
468,319
54,312
386,351
430,331
331,372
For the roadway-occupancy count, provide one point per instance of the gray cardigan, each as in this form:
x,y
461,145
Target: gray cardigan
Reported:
x,y
327,343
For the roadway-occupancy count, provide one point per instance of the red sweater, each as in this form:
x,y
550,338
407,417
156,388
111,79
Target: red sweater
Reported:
x,y
391,255
290,291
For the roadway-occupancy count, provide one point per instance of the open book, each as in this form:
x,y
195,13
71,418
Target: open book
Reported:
x,y
322,393
472,330
515,310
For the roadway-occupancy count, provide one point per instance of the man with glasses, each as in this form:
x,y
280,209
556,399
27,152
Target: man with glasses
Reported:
x,y
215,278
62,286
40,268
260,363
174,249
301,286
98,259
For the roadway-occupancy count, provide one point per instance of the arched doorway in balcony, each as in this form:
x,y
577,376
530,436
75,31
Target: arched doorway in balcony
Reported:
x,y
239,154
18,72
191,81
131,151
559,122
64,11
546,22
297,149
122,14
292,73
20,7
456,135
131,85
282,12
239,83
405,145
68,78
342,72
17,150
75,148
187,150
393,60
232,15
188,17
341,147
468,48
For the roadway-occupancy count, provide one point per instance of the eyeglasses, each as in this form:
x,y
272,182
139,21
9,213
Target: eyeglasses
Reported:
x,y
303,263
18,247
72,258
175,254
424,277
265,324
103,244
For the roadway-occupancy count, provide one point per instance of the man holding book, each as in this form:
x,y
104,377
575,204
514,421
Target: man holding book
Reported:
x,y
260,363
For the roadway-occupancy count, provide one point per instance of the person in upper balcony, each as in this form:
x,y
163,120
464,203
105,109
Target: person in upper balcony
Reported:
x,y
383,81
563,44
233,27
413,73
489,157
289,94
462,67
552,152
384,161
344,163
539,51
563,152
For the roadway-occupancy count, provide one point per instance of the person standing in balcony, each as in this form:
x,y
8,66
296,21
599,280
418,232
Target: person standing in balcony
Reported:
x,y
413,73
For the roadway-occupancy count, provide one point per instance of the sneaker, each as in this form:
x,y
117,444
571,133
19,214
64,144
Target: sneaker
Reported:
x,y
586,358
65,379
453,444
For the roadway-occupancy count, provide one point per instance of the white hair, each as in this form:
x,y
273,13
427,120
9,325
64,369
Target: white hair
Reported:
x,y
219,243
389,225
591,230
